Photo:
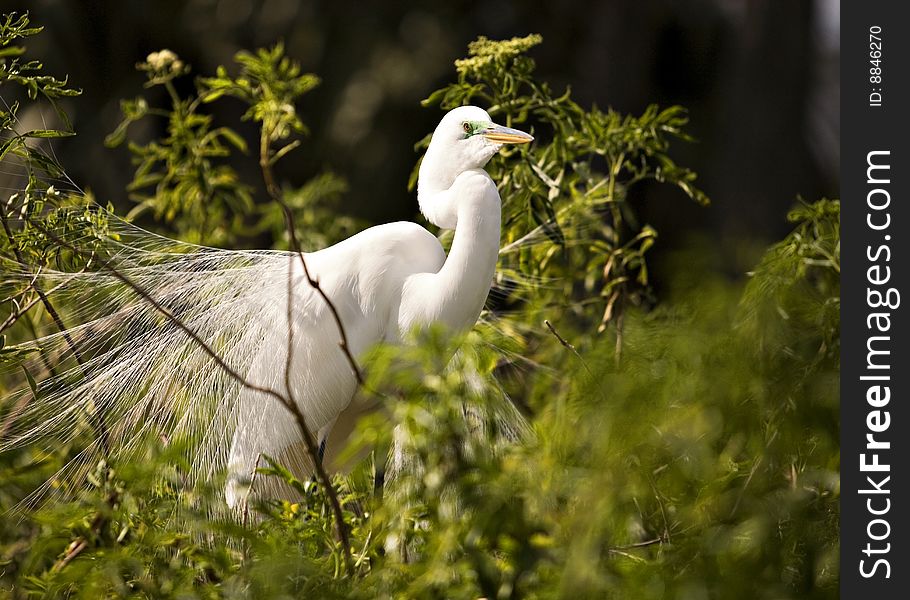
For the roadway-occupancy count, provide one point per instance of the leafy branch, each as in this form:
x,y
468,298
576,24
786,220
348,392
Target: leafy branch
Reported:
x,y
566,209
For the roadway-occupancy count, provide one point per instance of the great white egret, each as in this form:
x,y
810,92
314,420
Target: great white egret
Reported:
x,y
146,376
384,282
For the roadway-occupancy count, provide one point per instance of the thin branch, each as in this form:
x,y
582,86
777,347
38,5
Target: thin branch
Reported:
x,y
275,193
44,299
663,513
14,413
742,490
107,266
14,317
566,344
21,294
627,555
619,335
622,550
81,544
312,446
289,356
246,500
658,540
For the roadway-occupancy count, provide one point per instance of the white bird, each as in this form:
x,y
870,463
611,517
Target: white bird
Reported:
x,y
384,282
146,376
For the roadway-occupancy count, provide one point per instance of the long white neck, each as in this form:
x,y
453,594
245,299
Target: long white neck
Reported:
x,y
464,281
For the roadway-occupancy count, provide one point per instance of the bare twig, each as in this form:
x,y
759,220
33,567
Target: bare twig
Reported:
x,y
14,413
566,344
246,501
80,545
663,513
626,554
657,540
621,550
274,191
44,299
16,315
619,335
742,490
266,161
142,293
19,295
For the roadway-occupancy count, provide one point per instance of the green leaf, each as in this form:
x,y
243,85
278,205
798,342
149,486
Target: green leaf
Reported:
x,y
11,51
31,382
9,144
48,133
543,214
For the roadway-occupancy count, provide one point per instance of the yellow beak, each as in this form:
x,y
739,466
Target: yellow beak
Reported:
x,y
506,135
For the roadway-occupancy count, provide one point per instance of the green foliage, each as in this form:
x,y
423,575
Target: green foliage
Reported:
x,y
316,220
29,76
72,216
186,178
69,219
269,83
571,187
701,462
183,178
812,254
14,28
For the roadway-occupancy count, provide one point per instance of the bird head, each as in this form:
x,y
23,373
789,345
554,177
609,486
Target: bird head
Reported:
x,y
465,139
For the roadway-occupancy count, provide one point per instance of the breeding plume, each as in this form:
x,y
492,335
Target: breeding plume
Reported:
x,y
146,376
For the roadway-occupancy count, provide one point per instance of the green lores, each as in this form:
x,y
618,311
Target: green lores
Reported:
x,y
475,127
496,133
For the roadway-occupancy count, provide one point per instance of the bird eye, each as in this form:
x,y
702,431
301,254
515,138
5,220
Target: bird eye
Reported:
x,y
467,127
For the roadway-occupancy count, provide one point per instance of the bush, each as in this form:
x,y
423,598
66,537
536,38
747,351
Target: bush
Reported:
x,y
682,446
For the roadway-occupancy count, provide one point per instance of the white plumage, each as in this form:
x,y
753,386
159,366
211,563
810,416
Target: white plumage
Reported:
x,y
146,376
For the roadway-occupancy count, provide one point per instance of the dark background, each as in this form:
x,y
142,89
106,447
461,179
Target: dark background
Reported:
x,y
760,78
